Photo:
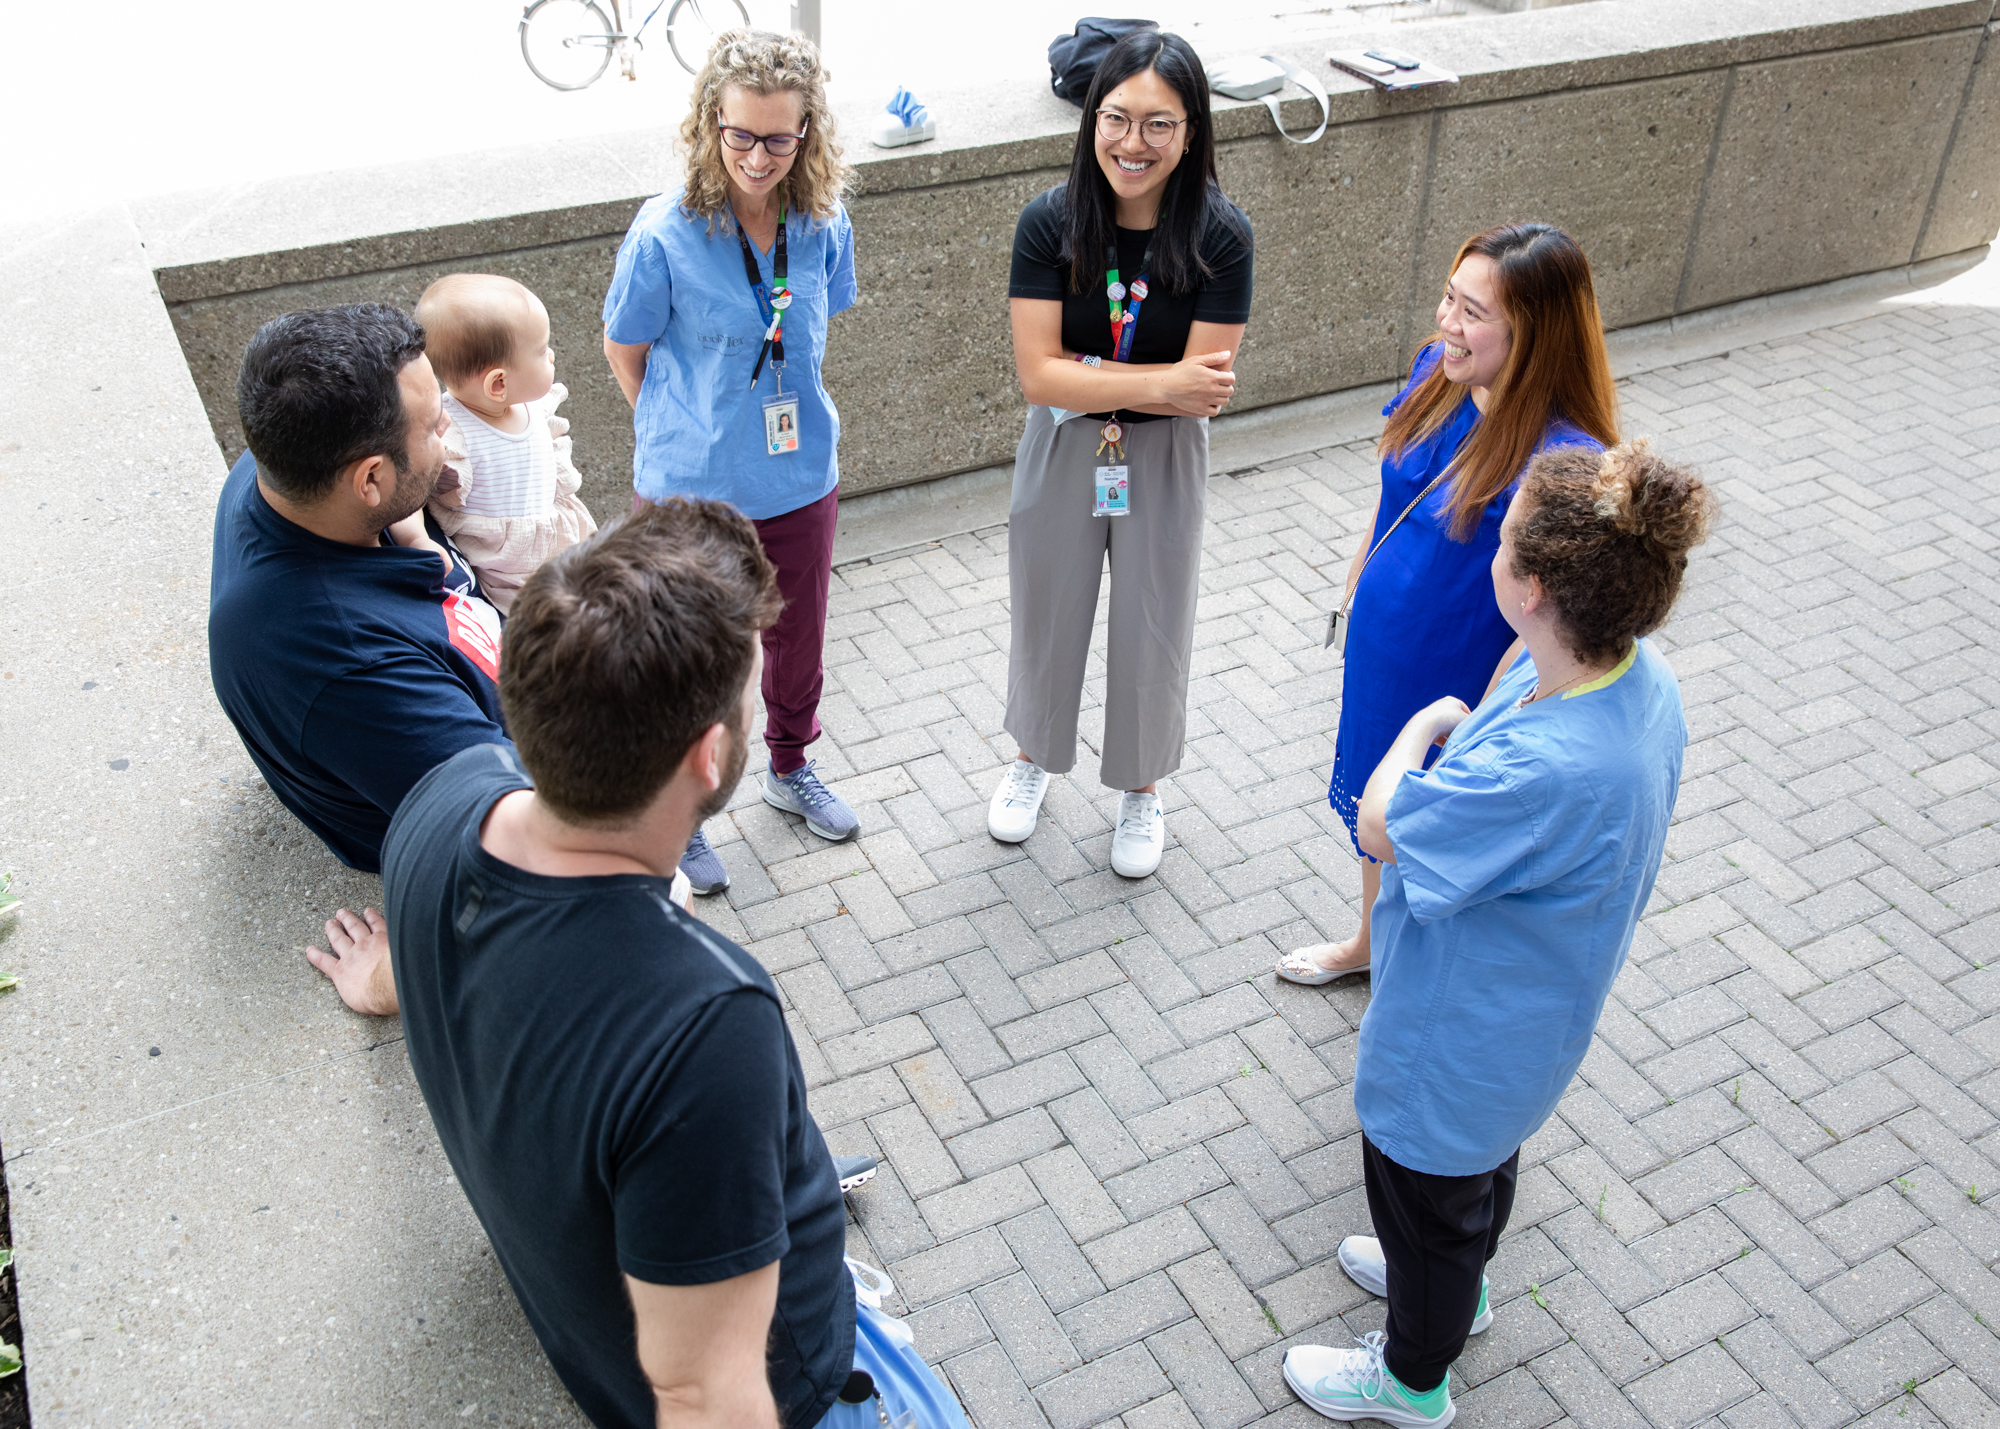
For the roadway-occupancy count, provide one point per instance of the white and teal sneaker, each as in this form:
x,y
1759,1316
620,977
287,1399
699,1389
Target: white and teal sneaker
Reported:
x,y
1355,1384
1361,1257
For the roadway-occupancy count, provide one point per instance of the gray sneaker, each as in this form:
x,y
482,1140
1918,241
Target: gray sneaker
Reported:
x,y
801,793
703,866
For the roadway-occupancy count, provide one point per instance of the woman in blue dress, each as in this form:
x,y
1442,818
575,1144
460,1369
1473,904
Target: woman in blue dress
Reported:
x,y
1517,366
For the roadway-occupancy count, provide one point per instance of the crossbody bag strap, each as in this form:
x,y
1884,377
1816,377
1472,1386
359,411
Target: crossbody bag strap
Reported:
x,y
1385,536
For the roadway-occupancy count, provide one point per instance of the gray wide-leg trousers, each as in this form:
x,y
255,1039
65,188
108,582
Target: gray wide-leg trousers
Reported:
x,y
1055,557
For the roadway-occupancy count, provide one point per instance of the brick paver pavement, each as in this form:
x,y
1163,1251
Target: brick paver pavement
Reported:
x,y
1120,1155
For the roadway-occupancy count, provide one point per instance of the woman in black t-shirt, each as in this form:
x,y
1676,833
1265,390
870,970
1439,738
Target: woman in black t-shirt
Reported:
x,y
1130,291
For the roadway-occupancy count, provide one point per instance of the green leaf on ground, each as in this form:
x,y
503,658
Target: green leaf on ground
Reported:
x,y
10,1359
6,1257
8,982
10,901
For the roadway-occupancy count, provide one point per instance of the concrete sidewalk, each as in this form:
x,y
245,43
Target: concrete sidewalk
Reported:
x,y
1120,1155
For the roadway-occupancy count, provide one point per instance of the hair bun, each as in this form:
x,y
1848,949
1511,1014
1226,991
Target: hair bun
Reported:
x,y
1614,495
1640,494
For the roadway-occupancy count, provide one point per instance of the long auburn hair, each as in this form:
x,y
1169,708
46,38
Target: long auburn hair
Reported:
x,y
762,63
1556,368
1090,209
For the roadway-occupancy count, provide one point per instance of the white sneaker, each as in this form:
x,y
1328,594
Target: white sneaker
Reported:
x,y
1141,837
1361,1257
1017,803
1356,1384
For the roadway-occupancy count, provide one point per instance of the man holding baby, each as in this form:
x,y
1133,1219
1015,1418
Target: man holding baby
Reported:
x,y
350,663
354,634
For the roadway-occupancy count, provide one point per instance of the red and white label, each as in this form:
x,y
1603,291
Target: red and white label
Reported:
x,y
474,627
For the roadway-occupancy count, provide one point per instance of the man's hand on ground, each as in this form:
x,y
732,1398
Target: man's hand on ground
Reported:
x,y
358,964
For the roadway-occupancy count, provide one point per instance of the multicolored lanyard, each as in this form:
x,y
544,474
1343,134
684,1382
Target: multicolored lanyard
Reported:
x,y
1124,316
771,302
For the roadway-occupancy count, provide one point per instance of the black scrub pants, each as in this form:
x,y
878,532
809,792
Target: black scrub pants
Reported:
x,y
1437,1234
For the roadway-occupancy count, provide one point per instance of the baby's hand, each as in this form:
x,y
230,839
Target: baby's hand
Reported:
x,y
410,532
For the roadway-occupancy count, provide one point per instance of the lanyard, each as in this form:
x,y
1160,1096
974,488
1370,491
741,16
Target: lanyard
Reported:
x,y
771,302
1124,316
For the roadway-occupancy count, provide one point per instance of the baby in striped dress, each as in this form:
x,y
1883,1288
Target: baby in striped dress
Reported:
x,y
508,497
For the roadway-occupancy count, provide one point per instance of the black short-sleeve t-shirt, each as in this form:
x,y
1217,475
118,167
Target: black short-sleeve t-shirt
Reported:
x,y
1040,271
617,1092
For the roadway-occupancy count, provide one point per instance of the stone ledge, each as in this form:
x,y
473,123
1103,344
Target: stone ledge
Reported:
x,y
1700,158
300,229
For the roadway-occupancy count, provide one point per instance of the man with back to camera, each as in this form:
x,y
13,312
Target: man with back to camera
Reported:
x,y
350,665
596,1061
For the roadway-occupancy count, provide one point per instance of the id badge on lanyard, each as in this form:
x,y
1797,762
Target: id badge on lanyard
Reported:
x,y
781,417
1112,494
781,408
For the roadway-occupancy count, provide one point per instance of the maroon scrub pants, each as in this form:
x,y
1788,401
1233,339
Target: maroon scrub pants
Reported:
x,y
800,545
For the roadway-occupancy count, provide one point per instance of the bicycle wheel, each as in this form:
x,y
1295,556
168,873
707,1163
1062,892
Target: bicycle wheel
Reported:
x,y
692,26
567,43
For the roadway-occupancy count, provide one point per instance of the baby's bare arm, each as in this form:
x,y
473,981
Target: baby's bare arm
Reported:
x,y
410,532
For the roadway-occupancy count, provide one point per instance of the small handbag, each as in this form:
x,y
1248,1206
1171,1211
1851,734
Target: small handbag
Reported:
x,y
1262,78
1336,623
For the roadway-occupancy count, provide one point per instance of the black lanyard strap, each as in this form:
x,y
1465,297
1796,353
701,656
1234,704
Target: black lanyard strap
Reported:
x,y
771,304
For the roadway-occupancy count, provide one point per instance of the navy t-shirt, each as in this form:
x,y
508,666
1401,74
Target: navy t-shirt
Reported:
x,y
616,1090
350,672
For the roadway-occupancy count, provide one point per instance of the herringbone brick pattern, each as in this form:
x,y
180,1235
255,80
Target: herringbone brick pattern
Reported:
x,y
1119,1155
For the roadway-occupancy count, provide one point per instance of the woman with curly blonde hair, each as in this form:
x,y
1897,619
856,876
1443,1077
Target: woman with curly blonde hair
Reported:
x,y
715,327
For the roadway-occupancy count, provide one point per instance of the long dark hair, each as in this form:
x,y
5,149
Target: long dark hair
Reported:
x,y
1089,207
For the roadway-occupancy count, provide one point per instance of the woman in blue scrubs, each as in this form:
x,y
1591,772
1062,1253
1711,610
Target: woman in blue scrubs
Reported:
x,y
1515,869
715,327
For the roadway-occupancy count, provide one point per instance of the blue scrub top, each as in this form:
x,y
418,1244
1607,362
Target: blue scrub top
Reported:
x,y
1524,858
699,426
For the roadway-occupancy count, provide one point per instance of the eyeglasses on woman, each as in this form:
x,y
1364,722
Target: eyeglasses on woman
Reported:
x,y
776,145
1158,133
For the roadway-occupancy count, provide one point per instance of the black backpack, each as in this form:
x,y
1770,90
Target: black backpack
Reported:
x,y
1073,58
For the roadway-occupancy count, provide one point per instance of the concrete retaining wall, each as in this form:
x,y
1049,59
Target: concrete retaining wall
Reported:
x,y
1702,151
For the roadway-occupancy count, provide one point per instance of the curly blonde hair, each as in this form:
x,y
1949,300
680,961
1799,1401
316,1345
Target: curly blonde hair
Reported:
x,y
762,63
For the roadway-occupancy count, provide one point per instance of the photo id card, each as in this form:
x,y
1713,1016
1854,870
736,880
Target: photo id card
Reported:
x,y
1114,492
781,424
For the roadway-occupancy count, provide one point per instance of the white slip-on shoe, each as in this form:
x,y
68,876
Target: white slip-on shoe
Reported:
x,y
1141,836
1017,803
1301,965
1361,1257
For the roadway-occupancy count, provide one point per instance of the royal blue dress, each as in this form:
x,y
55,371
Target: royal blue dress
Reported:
x,y
1424,622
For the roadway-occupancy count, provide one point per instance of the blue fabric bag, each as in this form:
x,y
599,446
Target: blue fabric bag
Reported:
x,y
912,1394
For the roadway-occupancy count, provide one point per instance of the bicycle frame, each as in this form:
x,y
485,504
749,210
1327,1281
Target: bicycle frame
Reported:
x,y
619,20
